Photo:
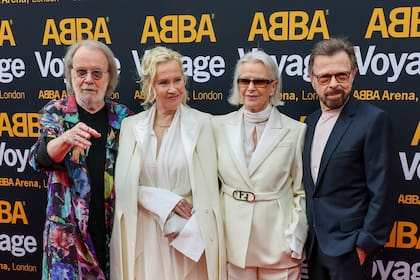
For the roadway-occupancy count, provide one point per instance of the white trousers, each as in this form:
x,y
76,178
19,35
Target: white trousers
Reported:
x,y
254,273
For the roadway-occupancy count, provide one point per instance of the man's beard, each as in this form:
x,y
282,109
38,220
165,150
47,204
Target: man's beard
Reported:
x,y
335,103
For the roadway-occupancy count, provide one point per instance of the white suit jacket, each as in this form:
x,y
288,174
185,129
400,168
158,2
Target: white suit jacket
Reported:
x,y
257,229
200,152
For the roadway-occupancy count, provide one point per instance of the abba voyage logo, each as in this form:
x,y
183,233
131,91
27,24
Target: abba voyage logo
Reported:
x,y
400,22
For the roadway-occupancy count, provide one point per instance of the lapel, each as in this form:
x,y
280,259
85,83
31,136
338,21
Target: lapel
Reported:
x,y
71,117
273,133
190,129
143,126
311,125
340,127
233,132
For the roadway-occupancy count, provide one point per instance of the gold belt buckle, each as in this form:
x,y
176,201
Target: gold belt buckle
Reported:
x,y
243,196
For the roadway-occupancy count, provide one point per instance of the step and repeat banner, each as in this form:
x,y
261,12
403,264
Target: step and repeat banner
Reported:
x,y
212,36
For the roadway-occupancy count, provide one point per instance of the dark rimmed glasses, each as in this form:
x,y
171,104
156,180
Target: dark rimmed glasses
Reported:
x,y
325,79
258,83
96,74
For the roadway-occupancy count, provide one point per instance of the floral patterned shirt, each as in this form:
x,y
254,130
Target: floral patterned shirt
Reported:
x,y
68,249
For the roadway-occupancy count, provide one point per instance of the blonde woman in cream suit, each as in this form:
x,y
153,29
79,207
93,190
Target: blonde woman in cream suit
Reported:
x,y
260,167
167,222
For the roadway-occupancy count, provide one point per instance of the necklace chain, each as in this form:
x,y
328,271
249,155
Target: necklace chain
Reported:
x,y
163,125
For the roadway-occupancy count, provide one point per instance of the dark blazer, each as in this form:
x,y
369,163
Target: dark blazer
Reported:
x,y
353,203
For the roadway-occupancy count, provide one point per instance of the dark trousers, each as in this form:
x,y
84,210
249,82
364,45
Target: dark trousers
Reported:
x,y
344,267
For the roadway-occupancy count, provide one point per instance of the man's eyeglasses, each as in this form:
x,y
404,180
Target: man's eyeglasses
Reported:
x,y
96,74
258,83
342,78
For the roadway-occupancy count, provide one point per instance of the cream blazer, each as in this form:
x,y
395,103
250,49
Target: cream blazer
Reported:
x,y
258,229
200,152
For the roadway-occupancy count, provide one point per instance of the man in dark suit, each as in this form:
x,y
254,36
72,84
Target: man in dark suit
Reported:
x,y
349,170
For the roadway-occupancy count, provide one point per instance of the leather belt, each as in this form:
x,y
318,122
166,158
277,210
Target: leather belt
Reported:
x,y
248,196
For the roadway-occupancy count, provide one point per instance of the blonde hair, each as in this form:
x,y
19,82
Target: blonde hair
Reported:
x,y
148,70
